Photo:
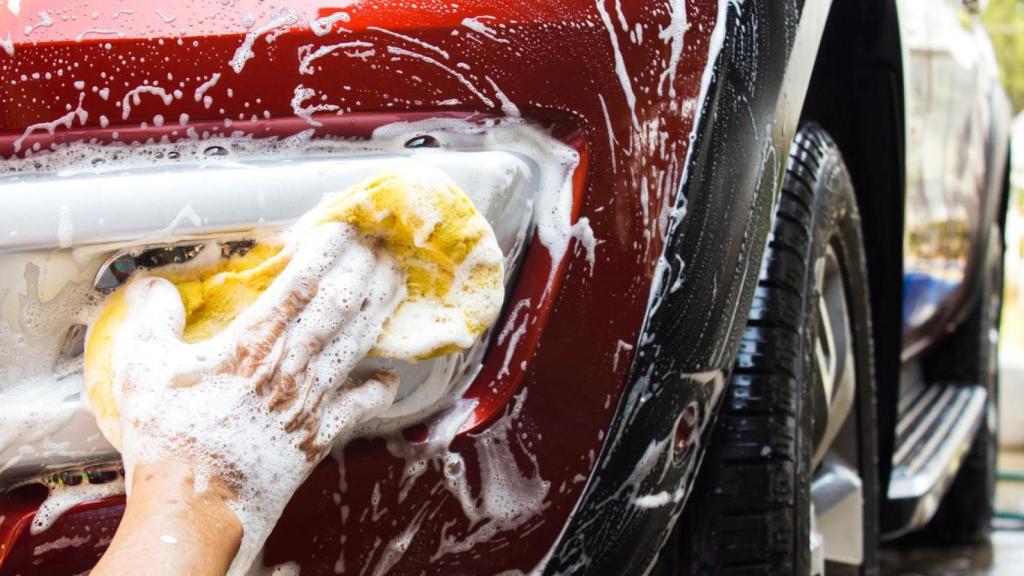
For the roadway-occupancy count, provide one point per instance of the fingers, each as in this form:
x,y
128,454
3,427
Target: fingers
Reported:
x,y
337,300
257,332
253,345
354,338
154,308
346,407
264,322
154,318
338,327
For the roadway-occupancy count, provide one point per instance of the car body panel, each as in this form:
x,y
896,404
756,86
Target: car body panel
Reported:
x,y
647,469
618,83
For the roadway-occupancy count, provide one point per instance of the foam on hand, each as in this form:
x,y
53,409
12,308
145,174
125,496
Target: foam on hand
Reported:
x,y
446,249
203,358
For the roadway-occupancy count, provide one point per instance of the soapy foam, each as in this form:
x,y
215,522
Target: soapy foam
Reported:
x,y
61,543
442,312
63,498
258,510
167,19
278,19
46,404
443,381
47,409
323,26
672,64
67,120
443,53
7,44
307,54
453,371
231,433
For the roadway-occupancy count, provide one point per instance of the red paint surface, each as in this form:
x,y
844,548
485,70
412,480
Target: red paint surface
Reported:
x,y
556,62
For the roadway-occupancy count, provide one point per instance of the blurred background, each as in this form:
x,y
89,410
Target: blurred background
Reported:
x,y
1004,20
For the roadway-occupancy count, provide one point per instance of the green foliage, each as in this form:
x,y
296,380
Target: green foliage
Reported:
x,y
1005,22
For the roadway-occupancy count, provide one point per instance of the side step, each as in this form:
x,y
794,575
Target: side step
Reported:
x,y
934,430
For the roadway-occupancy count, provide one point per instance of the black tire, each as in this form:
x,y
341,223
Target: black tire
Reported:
x,y
749,512
971,356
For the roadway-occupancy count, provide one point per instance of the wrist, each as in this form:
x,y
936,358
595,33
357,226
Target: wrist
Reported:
x,y
170,485
170,528
165,491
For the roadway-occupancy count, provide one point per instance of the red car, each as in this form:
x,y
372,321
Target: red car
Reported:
x,y
753,253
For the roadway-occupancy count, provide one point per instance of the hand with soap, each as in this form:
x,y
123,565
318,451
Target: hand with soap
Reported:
x,y
235,423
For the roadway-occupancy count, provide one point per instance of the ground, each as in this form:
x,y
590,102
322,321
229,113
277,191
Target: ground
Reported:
x,y
1003,557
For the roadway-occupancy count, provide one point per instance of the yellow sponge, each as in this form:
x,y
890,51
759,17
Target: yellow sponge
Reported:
x,y
452,263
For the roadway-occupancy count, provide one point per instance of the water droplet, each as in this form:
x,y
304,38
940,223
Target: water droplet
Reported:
x,y
422,142
215,151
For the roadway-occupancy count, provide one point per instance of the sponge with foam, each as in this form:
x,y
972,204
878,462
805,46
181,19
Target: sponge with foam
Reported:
x,y
446,249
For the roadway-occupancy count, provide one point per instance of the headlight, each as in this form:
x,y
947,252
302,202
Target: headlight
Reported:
x,y
77,222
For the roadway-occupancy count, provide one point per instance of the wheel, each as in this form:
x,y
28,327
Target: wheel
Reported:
x,y
789,480
971,355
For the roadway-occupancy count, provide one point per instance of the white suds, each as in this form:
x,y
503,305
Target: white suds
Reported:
x,y
659,499
410,39
279,18
620,63
458,76
98,32
482,29
134,96
674,33
515,331
306,112
63,498
61,543
612,142
358,284
307,55
66,121
323,26
7,44
167,19
507,106
168,539
44,22
584,234
620,346
202,88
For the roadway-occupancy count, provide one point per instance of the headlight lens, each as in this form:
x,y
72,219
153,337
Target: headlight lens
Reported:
x,y
78,222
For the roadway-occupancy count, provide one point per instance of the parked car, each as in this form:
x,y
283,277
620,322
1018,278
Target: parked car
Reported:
x,y
753,253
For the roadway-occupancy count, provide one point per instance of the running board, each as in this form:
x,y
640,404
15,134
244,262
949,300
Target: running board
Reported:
x,y
935,428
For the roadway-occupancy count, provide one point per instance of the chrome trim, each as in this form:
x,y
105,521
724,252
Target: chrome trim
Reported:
x,y
928,460
837,496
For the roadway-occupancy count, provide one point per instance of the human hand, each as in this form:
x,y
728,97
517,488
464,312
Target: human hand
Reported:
x,y
258,405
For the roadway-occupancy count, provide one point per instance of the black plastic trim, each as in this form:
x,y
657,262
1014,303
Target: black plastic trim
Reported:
x,y
690,339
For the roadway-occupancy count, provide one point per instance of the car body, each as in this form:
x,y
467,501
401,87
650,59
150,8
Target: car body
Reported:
x,y
580,435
